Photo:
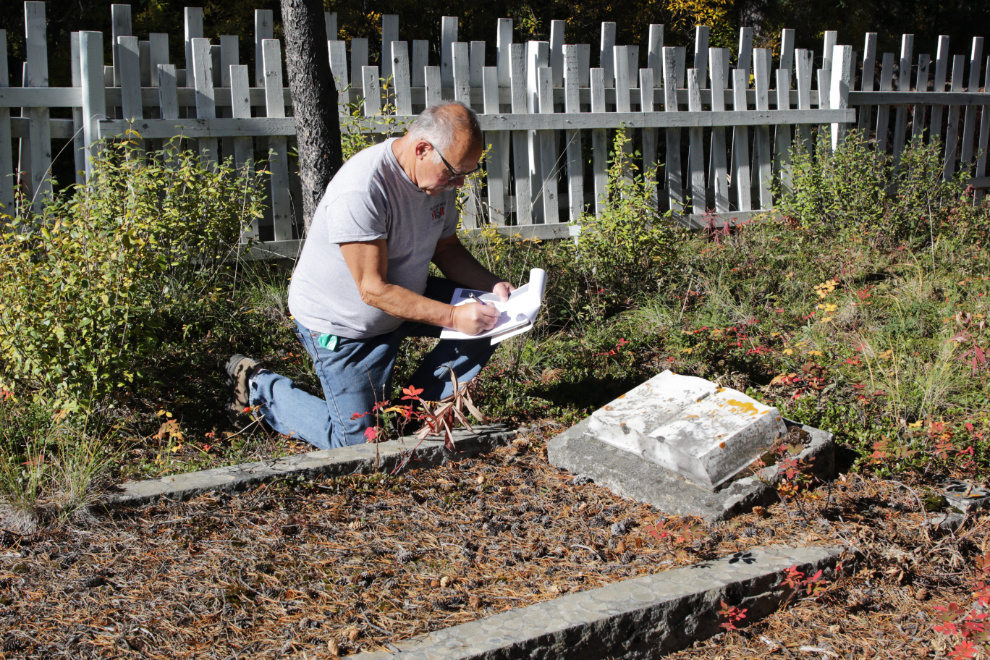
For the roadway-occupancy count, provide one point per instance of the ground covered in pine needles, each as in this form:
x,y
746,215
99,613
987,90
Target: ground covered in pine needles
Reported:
x,y
333,567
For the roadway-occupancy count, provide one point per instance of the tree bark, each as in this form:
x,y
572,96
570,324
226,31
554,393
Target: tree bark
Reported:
x,y
314,99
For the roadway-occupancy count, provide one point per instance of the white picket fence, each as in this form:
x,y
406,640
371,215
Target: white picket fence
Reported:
x,y
538,107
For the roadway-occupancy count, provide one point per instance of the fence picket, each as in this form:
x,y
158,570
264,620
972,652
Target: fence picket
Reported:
x,y
493,140
503,39
205,101
168,96
952,129
371,91
229,56
462,92
675,175
719,59
520,139
278,162
697,151
744,201
701,56
476,76
745,51
420,60
584,67
359,60
599,142
240,108
390,33
903,85
842,79
606,58
400,76
338,69
548,148
462,72
654,54
969,124
921,85
783,152
144,57
883,112
41,135
263,29
6,155
557,52
94,102
159,54
647,93
448,35
433,86
128,70
867,81
941,74
120,26
787,50
24,169
824,87
330,17
79,141
764,163
621,78
572,103
981,161
537,56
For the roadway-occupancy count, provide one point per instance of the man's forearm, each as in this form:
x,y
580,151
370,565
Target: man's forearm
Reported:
x,y
408,305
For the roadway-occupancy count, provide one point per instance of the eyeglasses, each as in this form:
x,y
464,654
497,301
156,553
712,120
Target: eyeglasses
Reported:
x,y
454,174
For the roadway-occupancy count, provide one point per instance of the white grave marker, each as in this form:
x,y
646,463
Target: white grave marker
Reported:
x,y
689,426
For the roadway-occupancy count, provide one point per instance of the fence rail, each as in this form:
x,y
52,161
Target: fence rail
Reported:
x,y
545,111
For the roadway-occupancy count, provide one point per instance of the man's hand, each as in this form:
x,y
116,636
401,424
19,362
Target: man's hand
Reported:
x,y
502,290
475,318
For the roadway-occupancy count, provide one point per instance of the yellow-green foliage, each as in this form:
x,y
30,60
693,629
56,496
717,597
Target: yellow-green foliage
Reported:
x,y
85,287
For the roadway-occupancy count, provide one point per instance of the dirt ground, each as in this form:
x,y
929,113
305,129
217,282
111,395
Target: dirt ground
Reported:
x,y
330,568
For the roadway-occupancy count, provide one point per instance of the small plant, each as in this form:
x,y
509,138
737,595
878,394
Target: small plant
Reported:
x,y
966,626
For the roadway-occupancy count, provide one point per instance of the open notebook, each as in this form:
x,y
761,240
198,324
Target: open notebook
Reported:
x,y
518,312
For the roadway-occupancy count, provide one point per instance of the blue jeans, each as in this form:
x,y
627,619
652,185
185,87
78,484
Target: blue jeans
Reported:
x,y
357,373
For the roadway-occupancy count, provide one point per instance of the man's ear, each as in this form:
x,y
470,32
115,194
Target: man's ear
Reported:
x,y
422,147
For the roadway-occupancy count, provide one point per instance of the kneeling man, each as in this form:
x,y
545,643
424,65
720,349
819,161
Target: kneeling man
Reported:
x,y
362,284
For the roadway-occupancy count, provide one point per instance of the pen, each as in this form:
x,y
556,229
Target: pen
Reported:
x,y
477,299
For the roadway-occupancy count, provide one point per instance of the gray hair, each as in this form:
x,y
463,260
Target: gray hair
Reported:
x,y
440,125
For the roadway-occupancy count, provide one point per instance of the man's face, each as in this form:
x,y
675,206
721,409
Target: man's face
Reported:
x,y
437,176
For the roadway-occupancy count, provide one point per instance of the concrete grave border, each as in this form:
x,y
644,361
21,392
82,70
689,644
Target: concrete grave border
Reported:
x,y
355,459
635,619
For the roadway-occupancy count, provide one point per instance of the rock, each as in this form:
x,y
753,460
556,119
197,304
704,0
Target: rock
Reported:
x,y
965,496
690,426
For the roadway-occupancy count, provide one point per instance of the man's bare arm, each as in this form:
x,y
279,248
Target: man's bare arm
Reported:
x,y
456,263
368,263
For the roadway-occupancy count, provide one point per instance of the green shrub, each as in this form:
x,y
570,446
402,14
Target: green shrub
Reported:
x,y
858,194
621,254
86,288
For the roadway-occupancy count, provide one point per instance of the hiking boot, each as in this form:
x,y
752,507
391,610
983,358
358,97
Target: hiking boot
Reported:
x,y
240,368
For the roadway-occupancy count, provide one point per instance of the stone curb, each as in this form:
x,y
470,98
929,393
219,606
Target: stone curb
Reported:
x,y
639,618
579,452
356,459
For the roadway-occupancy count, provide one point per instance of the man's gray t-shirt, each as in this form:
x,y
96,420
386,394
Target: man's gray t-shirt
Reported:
x,y
370,198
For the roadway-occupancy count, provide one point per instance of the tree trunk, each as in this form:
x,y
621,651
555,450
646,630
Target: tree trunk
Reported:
x,y
314,99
